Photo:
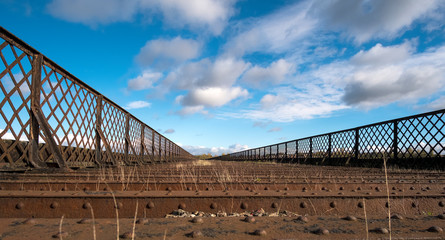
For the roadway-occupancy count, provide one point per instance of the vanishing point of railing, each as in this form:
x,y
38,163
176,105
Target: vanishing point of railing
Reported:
x,y
49,118
410,142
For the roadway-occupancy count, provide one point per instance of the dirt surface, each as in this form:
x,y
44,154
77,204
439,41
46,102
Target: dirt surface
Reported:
x,y
287,201
225,228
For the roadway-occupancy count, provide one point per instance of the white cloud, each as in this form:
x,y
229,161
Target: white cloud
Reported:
x,y
212,97
9,84
292,110
144,81
7,135
275,73
189,110
400,79
215,151
223,72
164,53
372,78
137,105
212,15
275,33
208,84
287,104
381,56
270,100
437,104
169,131
363,20
93,12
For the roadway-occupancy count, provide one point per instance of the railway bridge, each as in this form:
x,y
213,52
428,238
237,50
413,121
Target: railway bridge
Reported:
x,y
67,151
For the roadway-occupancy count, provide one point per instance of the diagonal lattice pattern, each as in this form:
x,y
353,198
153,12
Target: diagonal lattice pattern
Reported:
x,y
69,110
376,141
156,145
148,141
15,85
273,151
70,118
303,149
135,137
292,149
113,127
422,137
342,144
320,146
281,150
413,142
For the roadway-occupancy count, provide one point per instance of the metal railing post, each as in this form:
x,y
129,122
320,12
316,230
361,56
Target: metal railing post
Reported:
x,y
98,128
310,148
127,144
285,151
395,140
330,146
142,141
356,144
33,154
296,150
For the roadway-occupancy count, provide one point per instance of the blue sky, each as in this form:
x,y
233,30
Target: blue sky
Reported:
x,y
218,76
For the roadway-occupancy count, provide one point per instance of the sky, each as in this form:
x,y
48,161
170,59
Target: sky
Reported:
x,y
218,76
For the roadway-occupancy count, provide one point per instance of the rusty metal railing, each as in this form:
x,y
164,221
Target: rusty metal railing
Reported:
x,y
411,142
48,117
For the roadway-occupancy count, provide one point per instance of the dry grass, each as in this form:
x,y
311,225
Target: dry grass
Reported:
x,y
366,219
60,227
134,221
387,193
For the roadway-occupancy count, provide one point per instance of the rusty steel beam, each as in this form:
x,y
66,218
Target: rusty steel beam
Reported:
x,y
35,103
37,112
161,203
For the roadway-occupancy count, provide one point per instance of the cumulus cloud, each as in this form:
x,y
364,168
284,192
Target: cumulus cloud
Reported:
x,y
223,72
208,84
212,97
215,151
164,53
271,100
363,20
212,15
370,89
137,105
275,73
406,76
144,81
381,56
371,78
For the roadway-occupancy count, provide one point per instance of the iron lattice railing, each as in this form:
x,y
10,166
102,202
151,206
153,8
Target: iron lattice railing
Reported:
x,y
411,142
51,118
